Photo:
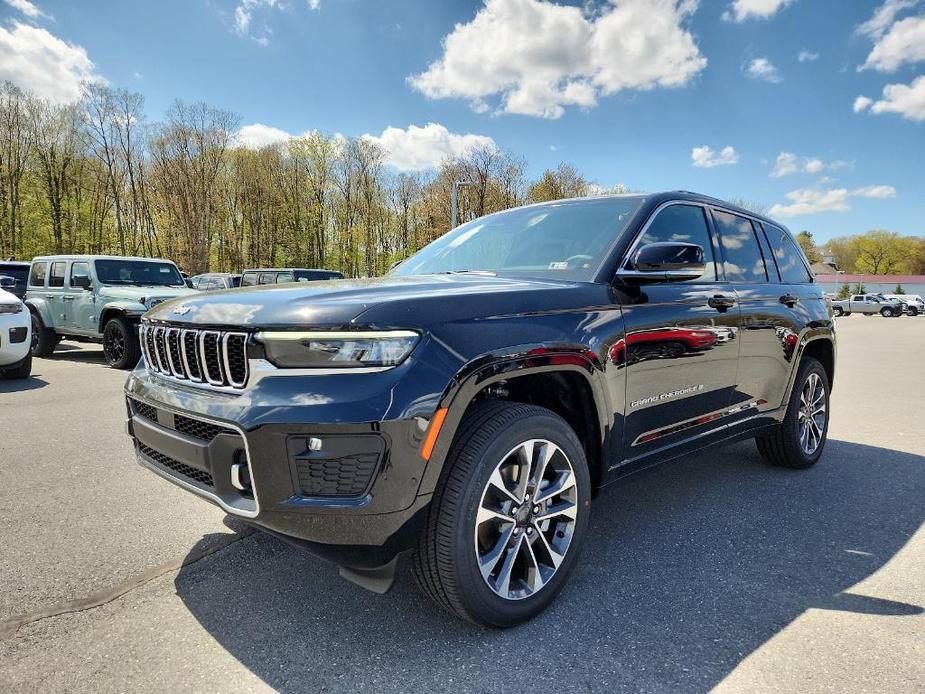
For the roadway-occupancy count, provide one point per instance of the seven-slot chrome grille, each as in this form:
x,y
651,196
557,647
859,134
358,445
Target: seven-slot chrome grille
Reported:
x,y
210,357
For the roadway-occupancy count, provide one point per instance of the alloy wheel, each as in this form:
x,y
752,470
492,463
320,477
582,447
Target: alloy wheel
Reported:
x,y
114,345
812,414
526,519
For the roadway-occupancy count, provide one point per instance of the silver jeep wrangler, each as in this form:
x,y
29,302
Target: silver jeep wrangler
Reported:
x,y
97,298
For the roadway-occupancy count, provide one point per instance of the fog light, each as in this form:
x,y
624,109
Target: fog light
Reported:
x,y
241,477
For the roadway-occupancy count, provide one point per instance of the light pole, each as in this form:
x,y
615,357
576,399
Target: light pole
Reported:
x,y
456,186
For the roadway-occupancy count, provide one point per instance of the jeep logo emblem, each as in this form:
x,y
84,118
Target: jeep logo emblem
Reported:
x,y
182,310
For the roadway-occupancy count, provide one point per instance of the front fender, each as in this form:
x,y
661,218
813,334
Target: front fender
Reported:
x,y
121,307
518,362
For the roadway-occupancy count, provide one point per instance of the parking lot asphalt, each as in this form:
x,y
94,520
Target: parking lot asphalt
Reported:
x,y
716,571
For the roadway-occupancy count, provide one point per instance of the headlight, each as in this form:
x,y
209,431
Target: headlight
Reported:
x,y
337,350
6,309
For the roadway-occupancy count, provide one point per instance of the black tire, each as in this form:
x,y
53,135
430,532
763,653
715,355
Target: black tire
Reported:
x,y
847,313
23,370
44,340
445,561
782,446
838,311
120,343
886,312
913,311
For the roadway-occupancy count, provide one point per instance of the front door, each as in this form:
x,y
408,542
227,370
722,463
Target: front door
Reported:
x,y
680,349
57,302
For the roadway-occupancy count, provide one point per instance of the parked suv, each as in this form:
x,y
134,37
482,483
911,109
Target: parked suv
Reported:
x,y
912,303
253,278
467,407
15,360
97,299
215,280
13,277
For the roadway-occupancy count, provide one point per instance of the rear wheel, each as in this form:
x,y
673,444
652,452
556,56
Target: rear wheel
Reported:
x,y
44,340
511,510
800,438
913,311
120,343
886,312
22,370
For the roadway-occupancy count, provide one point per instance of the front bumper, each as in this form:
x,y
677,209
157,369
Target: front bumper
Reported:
x,y
354,502
15,338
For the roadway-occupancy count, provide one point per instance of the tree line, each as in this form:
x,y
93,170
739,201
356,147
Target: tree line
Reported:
x,y
98,177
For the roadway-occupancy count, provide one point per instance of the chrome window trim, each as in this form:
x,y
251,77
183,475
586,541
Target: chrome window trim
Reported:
x,y
190,487
157,349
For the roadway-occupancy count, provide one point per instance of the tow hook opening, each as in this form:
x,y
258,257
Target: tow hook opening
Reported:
x,y
241,476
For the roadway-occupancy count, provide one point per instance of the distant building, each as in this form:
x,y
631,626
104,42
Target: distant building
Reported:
x,y
873,284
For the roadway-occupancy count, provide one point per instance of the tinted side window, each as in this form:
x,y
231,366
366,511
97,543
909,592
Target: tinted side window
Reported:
x,y
684,224
743,262
285,277
78,270
249,279
37,275
788,256
267,278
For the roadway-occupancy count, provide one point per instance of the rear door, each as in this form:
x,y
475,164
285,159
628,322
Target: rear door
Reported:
x,y
58,300
680,350
764,323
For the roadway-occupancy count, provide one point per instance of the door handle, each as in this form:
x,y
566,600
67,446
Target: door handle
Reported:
x,y
68,298
721,302
789,299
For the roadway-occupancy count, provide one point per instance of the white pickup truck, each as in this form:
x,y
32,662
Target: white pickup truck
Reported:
x,y
868,304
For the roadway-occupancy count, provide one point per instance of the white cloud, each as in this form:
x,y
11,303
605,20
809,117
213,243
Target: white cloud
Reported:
x,y
418,148
258,135
811,201
537,57
740,10
904,42
883,17
861,103
908,100
29,9
246,10
43,64
763,69
788,163
806,56
705,158
314,4
880,192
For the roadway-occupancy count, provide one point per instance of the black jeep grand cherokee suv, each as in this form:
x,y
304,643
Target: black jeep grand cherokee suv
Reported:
x,y
468,406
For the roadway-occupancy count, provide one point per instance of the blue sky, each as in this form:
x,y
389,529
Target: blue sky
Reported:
x,y
624,90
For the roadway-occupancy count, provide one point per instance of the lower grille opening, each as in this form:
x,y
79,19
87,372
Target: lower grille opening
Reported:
x,y
176,466
199,429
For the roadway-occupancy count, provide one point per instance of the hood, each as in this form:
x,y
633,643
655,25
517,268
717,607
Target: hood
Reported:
x,y
411,301
144,295
9,298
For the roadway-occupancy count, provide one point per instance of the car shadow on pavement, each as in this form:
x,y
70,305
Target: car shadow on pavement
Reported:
x,y
689,568
19,385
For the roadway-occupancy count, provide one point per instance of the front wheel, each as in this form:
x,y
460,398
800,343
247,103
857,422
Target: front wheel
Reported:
x,y
120,343
913,311
798,441
838,311
511,510
21,370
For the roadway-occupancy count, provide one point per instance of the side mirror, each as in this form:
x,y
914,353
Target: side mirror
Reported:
x,y
81,281
188,282
665,262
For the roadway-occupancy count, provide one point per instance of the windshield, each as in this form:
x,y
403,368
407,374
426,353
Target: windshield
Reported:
x,y
138,272
565,239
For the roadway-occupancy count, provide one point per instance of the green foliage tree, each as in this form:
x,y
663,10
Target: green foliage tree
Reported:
x,y
899,289
844,292
805,239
